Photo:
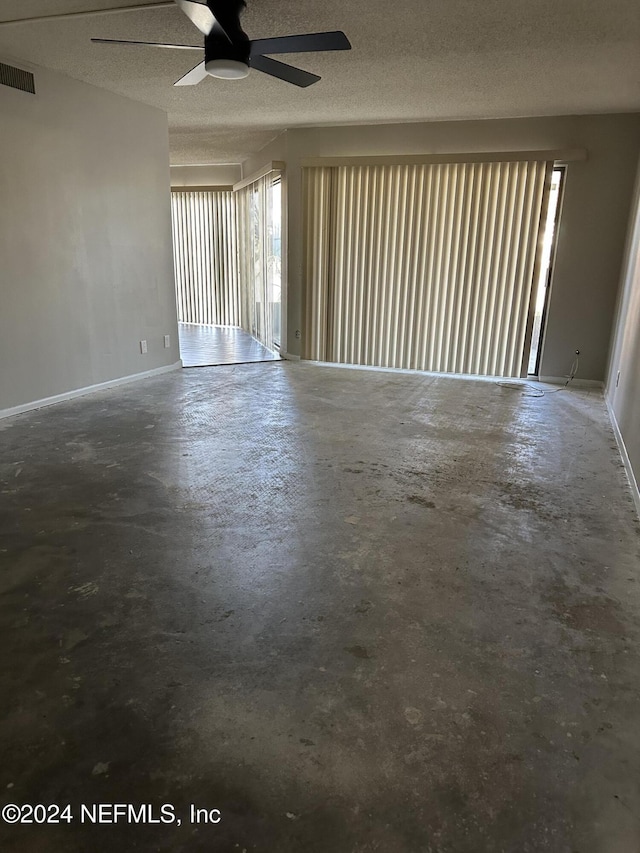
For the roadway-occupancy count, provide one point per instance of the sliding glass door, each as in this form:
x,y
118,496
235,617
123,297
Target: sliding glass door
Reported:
x,y
429,267
260,242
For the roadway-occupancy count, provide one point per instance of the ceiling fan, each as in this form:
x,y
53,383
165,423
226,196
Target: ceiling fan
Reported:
x,y
229,53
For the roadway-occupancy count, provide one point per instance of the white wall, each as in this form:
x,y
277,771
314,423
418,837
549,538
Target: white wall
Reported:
x,y
86,263
595,213
623,394
225,175
277,149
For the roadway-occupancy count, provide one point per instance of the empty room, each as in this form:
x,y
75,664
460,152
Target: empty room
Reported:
x,y
319,426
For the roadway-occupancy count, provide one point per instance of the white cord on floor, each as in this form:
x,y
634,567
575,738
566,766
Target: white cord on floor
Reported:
x,y
538,392
522,386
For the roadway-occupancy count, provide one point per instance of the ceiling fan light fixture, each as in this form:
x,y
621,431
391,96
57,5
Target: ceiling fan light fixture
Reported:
x,y
227,69
229,53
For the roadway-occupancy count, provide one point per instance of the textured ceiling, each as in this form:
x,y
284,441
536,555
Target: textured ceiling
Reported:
x,y
412,60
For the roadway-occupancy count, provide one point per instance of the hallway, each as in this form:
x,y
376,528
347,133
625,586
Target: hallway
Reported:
x,y
206,346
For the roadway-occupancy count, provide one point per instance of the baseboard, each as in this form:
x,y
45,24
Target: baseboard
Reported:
x,y
89,389
633,483
473,377
403,370
550,380
289,356
576,383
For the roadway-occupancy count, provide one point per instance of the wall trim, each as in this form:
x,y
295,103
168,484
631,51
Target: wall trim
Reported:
x,y
408,371
196,188
89,389
289,356
628,467
517,380
271,166
577,383
558,155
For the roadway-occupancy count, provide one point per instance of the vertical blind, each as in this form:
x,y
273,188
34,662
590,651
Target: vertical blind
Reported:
x,y
429,267
206,257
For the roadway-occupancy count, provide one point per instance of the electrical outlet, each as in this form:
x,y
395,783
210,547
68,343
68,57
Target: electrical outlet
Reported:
x,y
167,341
298,334
143,347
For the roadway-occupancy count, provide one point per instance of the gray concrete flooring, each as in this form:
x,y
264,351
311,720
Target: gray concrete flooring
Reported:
x,y
354,611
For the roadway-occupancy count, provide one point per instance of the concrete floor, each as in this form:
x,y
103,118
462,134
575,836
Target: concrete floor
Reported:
x,y
353,611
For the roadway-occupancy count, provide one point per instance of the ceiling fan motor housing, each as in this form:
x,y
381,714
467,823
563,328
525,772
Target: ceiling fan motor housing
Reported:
x,y
227,51
225,59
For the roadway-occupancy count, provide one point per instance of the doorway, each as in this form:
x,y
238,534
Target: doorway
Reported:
x,y
543,285
217,310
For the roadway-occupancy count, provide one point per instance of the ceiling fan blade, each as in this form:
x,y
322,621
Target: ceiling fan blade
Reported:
x,y
336,40
198,14
284,72
193,77
227,14
149,44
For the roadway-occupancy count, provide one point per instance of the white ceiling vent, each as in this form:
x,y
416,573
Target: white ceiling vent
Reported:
x,y
16,78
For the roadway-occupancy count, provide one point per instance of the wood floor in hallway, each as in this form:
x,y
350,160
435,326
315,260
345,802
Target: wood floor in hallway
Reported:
x,y
206,346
